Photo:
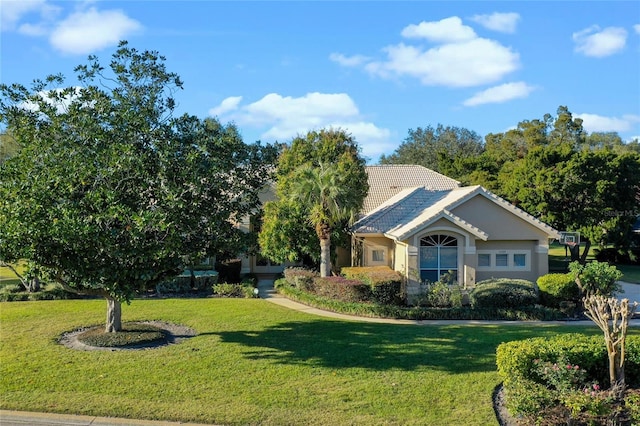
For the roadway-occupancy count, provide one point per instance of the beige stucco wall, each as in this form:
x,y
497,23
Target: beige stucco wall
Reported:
x,y
538,261
497,221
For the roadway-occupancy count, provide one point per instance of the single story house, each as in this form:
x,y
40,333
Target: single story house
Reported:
x,y
424,224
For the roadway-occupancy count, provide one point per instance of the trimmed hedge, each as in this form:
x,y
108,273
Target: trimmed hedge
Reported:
x,y
340,288
415,312
526,393
384,282
503,293
557,288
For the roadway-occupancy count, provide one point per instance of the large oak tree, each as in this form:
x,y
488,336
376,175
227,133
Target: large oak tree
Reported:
x,y
110,192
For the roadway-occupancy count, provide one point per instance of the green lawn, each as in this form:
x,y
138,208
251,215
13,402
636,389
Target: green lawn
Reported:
x,y
255,363
558,263
8,277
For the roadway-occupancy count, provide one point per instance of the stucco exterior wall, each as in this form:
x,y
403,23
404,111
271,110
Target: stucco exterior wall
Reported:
x,y
536,259
496,221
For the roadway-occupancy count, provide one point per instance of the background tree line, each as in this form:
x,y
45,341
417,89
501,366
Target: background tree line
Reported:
x,y
549,167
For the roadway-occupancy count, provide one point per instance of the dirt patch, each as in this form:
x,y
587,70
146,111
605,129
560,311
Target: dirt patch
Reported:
x,y
174,334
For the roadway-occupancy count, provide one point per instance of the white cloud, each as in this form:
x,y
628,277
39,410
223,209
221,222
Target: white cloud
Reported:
x,y
459,58
446,30
87,31
499,94
470,63
348,61
229,104
600,43
59,98
13,11
599,123
636,27
282,118
502,22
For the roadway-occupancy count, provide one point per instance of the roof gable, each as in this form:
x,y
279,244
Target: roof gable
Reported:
x,y
386,181
414,209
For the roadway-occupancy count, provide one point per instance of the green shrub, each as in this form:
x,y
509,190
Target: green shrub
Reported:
x,y
301,278
372,275
596,277
234,290
536,313
503,293
48,291
440,295
385,283
340,288
176,285
557,288
229,270
528,392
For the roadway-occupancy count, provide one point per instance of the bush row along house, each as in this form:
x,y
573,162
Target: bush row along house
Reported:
x,y
424,224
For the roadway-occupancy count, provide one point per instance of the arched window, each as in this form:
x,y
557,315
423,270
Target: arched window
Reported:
x,y
438,255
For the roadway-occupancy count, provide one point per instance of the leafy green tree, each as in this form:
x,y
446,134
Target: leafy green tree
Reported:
x,y
8,146
109,192
287,233
436,148
592,192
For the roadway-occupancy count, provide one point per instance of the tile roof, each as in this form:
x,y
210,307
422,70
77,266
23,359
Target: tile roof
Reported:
x,y
385,181
413,209
408,209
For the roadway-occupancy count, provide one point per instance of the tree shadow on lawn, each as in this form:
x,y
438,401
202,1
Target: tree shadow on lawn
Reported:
x,y
338,344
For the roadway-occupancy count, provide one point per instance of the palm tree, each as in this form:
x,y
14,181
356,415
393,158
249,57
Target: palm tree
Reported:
x,y
321,193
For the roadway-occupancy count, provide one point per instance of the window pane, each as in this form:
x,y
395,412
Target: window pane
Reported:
x,y
484,259
502,260
448,257
377,255
520,260
429,275
428,257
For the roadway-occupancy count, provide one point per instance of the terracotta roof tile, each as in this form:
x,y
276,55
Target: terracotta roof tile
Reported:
x,y
385,181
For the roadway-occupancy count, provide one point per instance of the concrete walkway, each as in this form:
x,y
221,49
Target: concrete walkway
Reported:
x,y
22,418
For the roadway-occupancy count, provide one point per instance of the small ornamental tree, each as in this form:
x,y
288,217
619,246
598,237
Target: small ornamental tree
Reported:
x,y
595,278
109,192
612,316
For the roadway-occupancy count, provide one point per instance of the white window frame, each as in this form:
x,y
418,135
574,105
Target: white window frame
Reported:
x,y
511,266
385,254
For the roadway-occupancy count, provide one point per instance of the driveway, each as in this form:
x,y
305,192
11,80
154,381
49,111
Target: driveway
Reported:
x,y
630,291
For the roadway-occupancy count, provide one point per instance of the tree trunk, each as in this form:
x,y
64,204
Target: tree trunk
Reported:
x,y
325,256
34,285
585,253
114,315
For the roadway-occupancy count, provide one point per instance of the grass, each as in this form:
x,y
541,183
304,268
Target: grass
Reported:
x,y
8,277
559,263
253,362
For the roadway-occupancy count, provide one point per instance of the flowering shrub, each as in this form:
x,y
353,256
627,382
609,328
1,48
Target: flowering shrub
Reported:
x,y
561,375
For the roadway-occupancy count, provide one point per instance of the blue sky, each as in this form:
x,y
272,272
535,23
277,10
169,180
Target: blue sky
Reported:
x,y
377,69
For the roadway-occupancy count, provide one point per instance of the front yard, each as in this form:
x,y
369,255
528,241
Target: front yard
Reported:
x,y
255,363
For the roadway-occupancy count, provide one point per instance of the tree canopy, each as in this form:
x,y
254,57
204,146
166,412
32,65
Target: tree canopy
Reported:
x,y
288,233
109,192
435,148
